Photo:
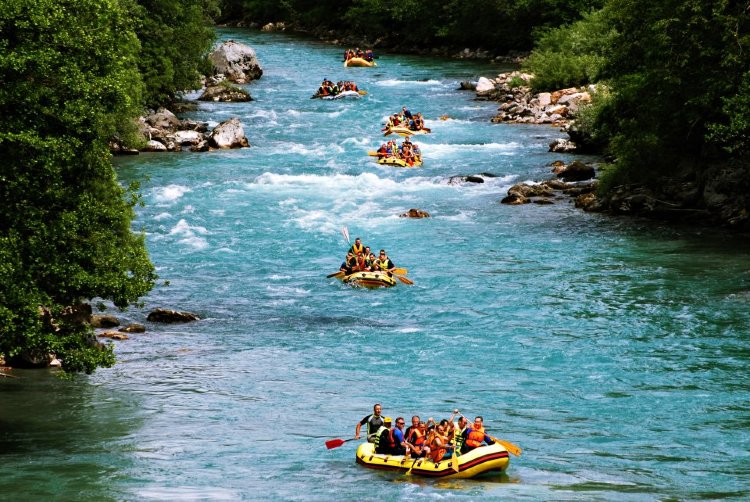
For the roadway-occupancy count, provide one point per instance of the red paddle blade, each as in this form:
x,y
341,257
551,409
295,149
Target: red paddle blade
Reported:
x,y
334,443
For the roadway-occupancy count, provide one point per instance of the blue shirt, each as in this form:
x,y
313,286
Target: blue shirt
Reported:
x,y
398,435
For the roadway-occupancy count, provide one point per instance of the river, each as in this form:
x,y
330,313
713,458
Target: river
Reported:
x,y
614,351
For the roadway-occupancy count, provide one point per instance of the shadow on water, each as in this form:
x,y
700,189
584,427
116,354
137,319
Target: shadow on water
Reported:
x,y
62,439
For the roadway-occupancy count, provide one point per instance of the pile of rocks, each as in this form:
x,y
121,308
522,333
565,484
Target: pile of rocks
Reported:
x,y
572,180
520,105
164,132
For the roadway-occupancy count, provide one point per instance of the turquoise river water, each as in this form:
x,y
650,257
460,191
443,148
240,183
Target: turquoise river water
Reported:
x,y
614,351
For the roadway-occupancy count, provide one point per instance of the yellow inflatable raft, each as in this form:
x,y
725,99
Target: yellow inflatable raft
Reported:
x,y
492,458
393,161
404,131
370,280
359,62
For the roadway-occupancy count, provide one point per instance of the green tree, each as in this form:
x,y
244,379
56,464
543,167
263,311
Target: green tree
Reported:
x,y
677,70
68,75
496,25
175,37
571,55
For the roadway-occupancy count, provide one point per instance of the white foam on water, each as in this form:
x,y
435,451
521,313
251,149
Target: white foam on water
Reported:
x,y
278,277
191,235
315,150
303,113
162,216
169,193
287,291
358,141
461,216
409,330
438,150
397,83
342,186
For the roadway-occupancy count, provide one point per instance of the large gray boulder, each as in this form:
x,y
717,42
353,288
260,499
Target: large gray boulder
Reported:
x,y
163,119
228,134
236,61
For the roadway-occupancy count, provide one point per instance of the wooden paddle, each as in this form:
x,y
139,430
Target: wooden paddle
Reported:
x,y
337,275
373,153
403,279
401,271
362,93
335,443
414,462
454,460
514,449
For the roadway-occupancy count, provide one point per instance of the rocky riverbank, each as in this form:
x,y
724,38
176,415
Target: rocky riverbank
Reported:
x,y
161,130
697,194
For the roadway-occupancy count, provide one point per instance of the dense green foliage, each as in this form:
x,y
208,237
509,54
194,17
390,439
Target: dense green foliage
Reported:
x,y
679,72
497,25
572,55
72,73
69,74
678,69
175,36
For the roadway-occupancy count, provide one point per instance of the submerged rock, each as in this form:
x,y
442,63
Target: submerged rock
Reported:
x,y
224,93
113,335
133,328
171,316
415,213
104,321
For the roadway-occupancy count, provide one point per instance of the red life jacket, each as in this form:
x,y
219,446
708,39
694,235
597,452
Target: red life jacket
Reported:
x,y
391,440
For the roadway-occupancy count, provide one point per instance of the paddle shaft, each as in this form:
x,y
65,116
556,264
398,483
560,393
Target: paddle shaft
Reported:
x,y
335,443
512,448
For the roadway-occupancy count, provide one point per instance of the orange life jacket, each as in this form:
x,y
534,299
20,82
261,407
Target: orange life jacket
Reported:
x,y
437,447
475,437
416,438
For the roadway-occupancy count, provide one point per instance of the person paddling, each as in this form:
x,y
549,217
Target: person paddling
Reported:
x,y
475,436
384,264
374,422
